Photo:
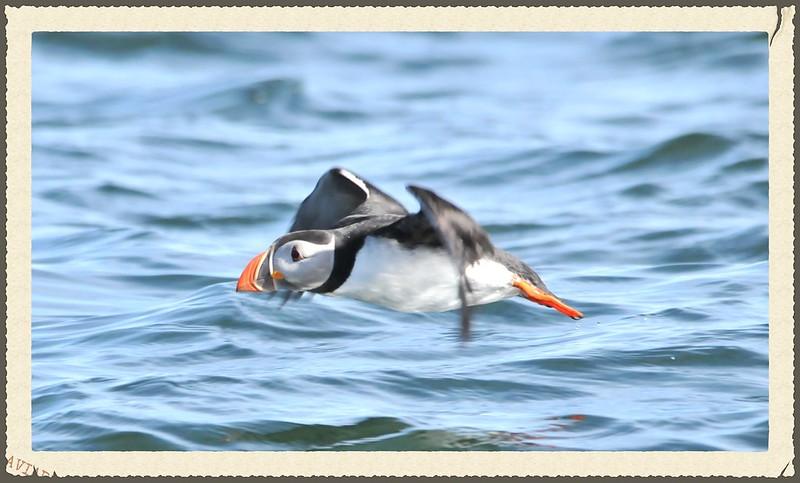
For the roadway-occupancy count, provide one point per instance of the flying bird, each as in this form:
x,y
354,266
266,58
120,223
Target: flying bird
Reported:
x,y
350,239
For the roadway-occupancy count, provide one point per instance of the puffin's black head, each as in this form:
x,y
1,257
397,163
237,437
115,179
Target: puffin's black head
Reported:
x,y
531,286
299,261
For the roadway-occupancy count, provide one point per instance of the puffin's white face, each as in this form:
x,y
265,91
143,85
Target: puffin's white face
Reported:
x,y
302,264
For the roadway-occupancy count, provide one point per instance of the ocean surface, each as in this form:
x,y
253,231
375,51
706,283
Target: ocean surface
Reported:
x,y
629,169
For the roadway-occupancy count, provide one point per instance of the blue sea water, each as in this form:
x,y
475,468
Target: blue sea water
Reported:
x,y
629,169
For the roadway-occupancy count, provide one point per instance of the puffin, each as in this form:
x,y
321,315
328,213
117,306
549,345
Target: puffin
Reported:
x,y
350,239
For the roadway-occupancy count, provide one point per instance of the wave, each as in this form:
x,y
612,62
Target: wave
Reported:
x,y
683,152
169,159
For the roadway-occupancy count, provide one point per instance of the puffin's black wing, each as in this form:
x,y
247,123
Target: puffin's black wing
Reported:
x,y
341,197
463,237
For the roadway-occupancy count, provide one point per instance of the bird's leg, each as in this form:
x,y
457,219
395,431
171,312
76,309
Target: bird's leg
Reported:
x,y
286,296
290,295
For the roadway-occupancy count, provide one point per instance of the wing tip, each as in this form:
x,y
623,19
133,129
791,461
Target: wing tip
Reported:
x,y
421,193
351,177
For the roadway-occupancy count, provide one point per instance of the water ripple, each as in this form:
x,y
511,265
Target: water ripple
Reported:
x,y
629,169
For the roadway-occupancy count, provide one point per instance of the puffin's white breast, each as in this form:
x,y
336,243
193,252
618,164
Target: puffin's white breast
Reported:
x,y
421,279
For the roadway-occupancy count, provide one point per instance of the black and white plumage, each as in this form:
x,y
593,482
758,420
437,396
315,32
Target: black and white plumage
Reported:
x,y
350,239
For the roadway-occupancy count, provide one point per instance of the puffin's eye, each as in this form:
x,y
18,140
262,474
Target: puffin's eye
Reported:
x,y
296,257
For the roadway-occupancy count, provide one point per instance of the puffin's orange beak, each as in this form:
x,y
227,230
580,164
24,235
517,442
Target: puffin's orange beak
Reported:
x,y
535,294
247,281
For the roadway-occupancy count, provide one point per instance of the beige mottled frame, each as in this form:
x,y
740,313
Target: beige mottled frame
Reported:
x,y
23,21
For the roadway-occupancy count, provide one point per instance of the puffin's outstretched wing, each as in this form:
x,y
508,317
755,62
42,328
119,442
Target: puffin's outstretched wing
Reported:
x,y
340,194
462,236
